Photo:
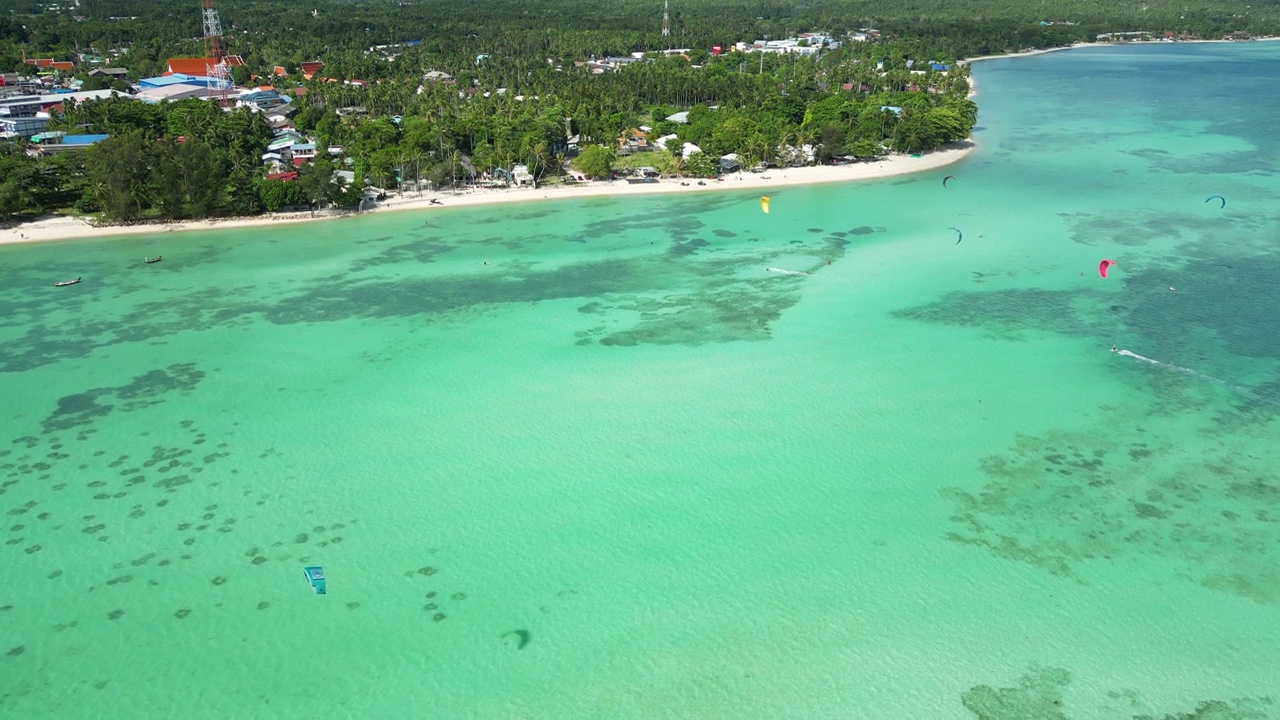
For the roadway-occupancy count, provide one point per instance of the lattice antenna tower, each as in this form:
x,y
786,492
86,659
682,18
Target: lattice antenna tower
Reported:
x,y
214,50
212,31
221,75
666,20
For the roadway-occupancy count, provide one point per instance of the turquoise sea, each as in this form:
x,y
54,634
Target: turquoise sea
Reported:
x,y
590,459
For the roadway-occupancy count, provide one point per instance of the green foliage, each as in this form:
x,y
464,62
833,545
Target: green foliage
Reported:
x,y
518,36
596,161
275,195
315,180
119,175
142,170
32,185
865,149
189,178
526,97
831,138
11,200
242,194
702,165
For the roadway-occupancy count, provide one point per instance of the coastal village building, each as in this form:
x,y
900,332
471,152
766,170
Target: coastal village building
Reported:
x,y
179,86
201,66
802,44
22,116
309,69
111,73
435,76
391,52
51,64
22,119
633,141
190,66
58,142
284,140
261,99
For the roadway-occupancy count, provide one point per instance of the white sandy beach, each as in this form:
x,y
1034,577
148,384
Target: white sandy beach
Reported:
x,y
64,228
1028,53
1043,51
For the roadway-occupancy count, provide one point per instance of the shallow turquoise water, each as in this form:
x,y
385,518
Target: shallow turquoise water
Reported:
x,y
913,483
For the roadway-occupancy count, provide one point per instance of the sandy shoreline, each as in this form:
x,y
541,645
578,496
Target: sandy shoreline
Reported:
x,y
67,228
1029,53
1043,51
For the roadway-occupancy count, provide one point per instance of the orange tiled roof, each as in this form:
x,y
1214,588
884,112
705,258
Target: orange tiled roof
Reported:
x,y
190,66
50,63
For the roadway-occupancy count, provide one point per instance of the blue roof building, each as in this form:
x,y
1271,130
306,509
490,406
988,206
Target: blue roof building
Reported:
x,y
56,142
180,79
261,96
83,140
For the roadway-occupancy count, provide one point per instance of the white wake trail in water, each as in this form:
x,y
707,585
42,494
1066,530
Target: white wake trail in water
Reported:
x,y
1126,353
1188,371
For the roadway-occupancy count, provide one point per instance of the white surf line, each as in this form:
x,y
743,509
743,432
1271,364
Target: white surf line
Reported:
x,y
786,272
1188,371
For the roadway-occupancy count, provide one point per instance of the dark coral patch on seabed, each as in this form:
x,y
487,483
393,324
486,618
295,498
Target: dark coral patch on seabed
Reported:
x,y
1041,695
1128,505
147,389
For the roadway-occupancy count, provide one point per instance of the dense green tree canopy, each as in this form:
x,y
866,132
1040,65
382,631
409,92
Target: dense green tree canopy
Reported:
x,y
521,92
453,34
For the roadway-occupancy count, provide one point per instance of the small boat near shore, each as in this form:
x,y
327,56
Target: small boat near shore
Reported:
x,y
65,283
155,259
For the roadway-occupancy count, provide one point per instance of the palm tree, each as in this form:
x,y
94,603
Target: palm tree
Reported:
x,y
455,160
541,158
560,160
416,157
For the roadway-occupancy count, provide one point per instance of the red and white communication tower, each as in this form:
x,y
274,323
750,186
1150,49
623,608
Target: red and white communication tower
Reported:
x,y
212,32
214,51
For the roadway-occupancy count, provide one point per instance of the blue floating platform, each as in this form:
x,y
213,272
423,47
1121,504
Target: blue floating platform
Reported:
x,y
315,576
